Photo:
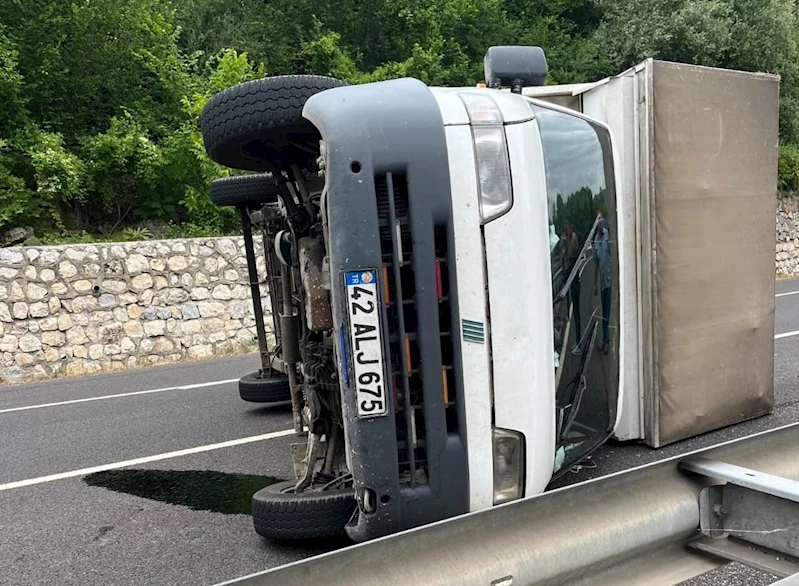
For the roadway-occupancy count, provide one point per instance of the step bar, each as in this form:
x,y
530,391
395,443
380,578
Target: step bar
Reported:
x,y
658,524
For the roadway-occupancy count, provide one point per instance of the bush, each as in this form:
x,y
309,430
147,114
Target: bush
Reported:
x,y
788,170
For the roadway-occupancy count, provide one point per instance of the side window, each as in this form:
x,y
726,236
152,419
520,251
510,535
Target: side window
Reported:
x,y
581,197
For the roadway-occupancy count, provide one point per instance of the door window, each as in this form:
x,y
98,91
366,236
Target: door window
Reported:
x,y
584,261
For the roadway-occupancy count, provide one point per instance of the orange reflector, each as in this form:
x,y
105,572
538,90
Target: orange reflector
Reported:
x,y
408,365
386,290
481,85
445,385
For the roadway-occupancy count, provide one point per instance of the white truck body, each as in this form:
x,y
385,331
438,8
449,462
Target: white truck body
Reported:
x,y
504,268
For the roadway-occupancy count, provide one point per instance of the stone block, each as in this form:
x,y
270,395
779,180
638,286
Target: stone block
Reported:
x,y
29,343
155,328
137,263
11,256
56,339
59,288
211,308
20,310
8,273
107,300
201,351
64,322
133,329
38,309
15,293
67,270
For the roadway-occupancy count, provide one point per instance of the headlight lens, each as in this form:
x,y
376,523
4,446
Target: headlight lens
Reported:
x,y
493,164
508,465
493,169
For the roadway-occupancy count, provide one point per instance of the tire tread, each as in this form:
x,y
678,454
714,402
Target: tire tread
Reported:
x,y
306,516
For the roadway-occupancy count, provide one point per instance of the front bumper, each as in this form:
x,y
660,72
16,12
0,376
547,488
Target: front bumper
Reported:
x,y
387,166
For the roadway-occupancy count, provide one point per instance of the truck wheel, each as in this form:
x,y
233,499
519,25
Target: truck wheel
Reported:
x,y
259,123
256,388
257,189
278,513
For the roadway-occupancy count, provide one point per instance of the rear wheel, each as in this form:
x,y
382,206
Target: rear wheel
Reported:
x,y
280,513
258,388
258,125
257,189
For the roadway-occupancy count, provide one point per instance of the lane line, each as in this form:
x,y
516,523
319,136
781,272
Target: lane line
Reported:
x,y
117,396
145,460
785,294
786,335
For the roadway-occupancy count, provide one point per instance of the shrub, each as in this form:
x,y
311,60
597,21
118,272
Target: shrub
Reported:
x,y
788,170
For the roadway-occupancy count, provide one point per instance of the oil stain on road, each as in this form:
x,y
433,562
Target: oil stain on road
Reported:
x,y
201,490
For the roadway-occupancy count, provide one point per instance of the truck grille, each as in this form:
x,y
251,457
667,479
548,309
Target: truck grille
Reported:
x,y
400,295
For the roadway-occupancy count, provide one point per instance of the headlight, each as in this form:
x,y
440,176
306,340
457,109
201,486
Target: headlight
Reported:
x,y
491,150
508,465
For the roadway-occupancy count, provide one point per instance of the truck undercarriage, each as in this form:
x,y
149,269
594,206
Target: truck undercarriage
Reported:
x,y
324,217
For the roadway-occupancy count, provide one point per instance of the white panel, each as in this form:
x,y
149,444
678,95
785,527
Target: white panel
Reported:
x,y
614,105
469,259
512,108
452,109
520,296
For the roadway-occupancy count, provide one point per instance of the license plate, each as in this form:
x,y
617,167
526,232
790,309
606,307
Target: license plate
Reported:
x,y
366,338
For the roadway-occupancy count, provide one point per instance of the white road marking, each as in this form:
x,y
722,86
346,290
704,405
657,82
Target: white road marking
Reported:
x,y
145,460
788,293
786,335
117,396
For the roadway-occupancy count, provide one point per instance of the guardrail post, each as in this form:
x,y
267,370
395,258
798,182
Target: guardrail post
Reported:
x,y
748,508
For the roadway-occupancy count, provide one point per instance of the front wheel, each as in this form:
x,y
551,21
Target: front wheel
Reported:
x,y
280,513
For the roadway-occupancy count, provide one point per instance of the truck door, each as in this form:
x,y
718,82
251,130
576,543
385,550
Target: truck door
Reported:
x,y
584,261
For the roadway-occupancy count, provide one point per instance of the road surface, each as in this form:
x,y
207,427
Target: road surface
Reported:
x,y
144,477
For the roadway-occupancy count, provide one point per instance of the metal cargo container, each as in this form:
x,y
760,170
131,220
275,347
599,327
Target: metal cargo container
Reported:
x,y
698,169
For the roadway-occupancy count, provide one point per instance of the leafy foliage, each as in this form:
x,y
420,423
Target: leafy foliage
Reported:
x,y
788,177
101,98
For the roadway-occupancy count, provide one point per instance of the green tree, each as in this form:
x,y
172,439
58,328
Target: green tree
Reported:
x,y
750,35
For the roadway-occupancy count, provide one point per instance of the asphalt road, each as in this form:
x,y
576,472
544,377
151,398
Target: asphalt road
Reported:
x,y
177,518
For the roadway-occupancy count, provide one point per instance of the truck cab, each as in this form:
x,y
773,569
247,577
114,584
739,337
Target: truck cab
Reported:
x,y
468,306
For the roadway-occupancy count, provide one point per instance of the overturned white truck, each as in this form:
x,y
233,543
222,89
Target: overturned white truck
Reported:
x,y
474,288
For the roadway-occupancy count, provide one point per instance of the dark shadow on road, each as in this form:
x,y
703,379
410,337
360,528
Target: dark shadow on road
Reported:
x,y
201,490
282,407
307,547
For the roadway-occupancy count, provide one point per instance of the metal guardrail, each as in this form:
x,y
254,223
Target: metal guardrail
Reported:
x,y
658,524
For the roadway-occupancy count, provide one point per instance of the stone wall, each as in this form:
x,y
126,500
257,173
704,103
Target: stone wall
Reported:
x,y
788,236
85,308
78,309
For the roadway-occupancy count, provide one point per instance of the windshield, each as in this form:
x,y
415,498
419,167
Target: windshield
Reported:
x,y
584,262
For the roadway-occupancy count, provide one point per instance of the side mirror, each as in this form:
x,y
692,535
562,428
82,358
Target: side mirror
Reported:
x,y
515,66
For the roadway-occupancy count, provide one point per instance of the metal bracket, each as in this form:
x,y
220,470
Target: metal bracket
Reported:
x,y
745,508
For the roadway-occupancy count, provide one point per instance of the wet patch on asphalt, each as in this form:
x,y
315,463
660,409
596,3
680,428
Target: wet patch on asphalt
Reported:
x,y
201,490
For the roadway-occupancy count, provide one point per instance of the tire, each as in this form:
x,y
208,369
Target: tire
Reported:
x,y
244,190
308,515
257,389
252,125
